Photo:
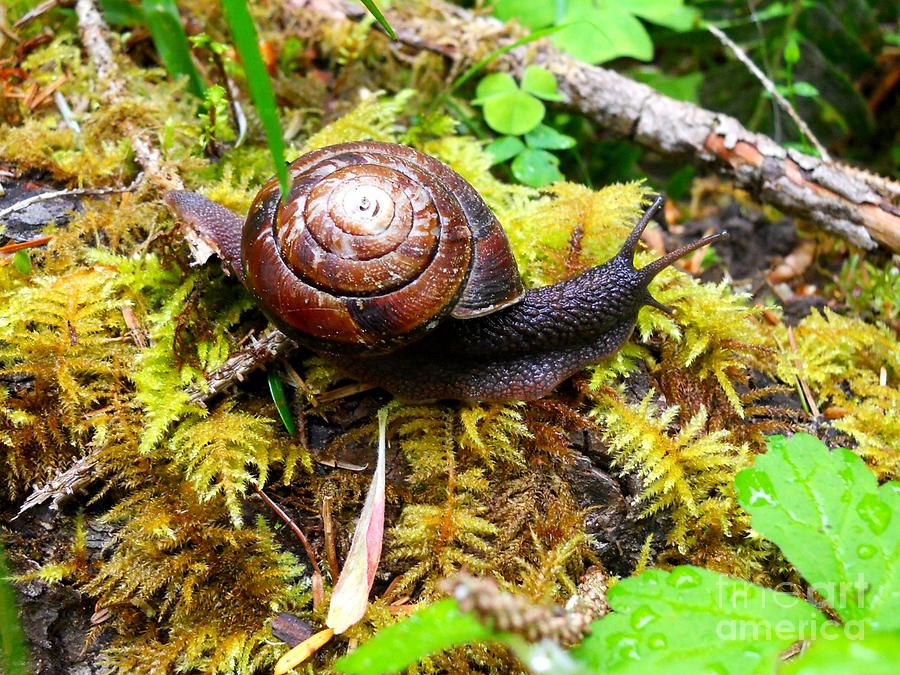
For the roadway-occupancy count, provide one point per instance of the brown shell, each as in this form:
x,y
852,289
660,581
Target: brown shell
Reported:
x,y
375,244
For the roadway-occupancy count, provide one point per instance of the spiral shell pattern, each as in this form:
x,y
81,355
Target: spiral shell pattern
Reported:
x,y
373,246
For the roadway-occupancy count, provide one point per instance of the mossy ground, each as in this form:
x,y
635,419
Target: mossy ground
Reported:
x,y
629,463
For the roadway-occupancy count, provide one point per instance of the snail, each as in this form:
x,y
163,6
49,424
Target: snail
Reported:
x,y
387,262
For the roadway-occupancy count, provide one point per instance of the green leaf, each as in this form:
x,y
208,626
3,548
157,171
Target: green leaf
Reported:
x,y
22,262
802,88
681,87
492,85
791,50
693,620
276,388
536,168
13,657
832,521
541,83
244,33
531,13
164,23
504,148
433,629
379,17
668,13
548,138
121,13
599,34
874,654
513,113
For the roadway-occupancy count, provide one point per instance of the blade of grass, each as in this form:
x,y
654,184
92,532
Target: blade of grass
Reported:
x,y
12,640
379,17
276,388
245,39
164,23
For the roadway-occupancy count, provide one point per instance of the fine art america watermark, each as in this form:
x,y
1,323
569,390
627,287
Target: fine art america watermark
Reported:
x,y
733,598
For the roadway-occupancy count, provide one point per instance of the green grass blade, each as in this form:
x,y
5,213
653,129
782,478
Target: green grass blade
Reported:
x,y
164,23
12,641
379,17
245,39
276,388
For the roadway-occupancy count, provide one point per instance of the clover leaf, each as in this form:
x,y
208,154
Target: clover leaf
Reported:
x,y
507,108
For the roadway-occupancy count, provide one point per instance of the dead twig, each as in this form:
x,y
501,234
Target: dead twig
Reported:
x,y
291,524
19,245
328,527
804,387
77,192
769,86
40,10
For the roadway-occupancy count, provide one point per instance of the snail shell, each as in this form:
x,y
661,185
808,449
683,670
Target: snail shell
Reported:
x,y
374,245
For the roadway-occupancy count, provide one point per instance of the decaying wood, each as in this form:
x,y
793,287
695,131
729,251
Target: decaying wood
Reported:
x,y
93,30
239,365
858,206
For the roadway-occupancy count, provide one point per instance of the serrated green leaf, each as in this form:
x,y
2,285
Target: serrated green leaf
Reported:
x,y
536,168
513,113
848,652
531,13
504,148
493,85
430,630
692,620
598,34
164,23
832,521
548,138
541,83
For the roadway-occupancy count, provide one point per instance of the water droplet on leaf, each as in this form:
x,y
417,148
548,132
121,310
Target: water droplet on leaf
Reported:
x,y
684,577
866,551
642,616
874,513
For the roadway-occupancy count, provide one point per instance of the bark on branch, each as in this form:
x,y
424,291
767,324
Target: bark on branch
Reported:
x,y
858,206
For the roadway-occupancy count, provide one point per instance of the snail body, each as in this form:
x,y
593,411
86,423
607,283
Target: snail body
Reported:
x,y
388,262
